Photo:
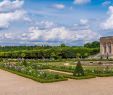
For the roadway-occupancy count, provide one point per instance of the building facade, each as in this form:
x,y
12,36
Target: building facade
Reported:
x,y
106,46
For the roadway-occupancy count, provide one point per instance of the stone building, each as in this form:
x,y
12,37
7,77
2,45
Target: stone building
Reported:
x,y
106,46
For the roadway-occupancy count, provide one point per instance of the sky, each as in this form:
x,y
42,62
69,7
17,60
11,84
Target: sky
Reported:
x,y
52,22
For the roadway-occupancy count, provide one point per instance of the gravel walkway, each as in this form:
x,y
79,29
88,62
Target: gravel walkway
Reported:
x,y
11,84
60,72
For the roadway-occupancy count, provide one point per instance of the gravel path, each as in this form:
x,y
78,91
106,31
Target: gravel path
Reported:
x,y
11,84
60,72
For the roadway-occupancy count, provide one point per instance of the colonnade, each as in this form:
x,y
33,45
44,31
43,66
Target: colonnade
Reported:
x,y
106,48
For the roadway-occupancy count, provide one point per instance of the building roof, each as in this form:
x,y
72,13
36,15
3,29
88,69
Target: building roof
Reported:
x,y
107,37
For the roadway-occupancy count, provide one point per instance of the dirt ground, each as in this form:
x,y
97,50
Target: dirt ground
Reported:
x,y
11,84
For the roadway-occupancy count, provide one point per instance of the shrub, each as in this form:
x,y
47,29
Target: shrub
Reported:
x,y
78,70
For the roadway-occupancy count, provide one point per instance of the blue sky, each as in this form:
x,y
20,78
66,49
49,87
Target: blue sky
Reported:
x,y
52,22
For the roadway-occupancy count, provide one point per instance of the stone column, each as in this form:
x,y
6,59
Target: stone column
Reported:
x,y
112,48
107,49
102,49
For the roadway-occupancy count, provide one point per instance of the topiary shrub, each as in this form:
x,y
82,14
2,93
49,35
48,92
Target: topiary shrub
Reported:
x,y
78,70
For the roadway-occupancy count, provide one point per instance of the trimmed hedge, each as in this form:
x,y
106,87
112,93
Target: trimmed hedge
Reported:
x,y
80,77
104,75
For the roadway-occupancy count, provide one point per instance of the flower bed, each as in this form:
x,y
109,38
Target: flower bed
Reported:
x,y
29,72
38,71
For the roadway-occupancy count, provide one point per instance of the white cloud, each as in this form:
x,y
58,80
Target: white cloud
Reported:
x,y
47,24
44,31
8,35
87,35
7,5
52,35
106,3
83,21
60,34
81,1
59,6
108,24
11,11
7,18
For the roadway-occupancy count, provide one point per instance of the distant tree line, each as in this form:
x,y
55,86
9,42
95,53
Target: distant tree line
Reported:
x,y
49,52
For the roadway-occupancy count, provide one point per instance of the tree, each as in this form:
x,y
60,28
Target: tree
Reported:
x,y
53,55
94,44
47,52
62,45
78,70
